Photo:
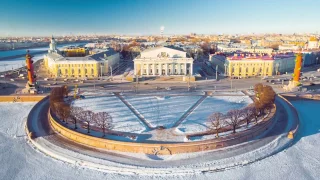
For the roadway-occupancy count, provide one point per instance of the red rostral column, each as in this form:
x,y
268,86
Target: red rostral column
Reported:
x,y
297,69
30,68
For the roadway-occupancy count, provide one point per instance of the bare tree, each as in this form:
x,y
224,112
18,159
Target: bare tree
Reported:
x,y
234,118
247,113
216,122
65,112
75,115
87,116
103,120
256,113
58,109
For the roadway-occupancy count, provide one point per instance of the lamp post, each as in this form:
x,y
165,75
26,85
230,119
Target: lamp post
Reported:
x,y
111,72
101,66
225,69
217,72
317,60
231,82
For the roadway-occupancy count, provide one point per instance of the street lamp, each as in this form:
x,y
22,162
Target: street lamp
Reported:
x,y
277,68
101,66
217,72
225,69
111,72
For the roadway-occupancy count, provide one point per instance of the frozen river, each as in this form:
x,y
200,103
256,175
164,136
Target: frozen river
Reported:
x,y
18,160
18,62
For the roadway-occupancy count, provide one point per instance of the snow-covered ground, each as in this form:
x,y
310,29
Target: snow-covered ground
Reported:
x,y
228,93
162,110
197,120
123,118
19,161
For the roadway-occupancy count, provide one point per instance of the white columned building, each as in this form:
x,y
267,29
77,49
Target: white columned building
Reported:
x,y
163,61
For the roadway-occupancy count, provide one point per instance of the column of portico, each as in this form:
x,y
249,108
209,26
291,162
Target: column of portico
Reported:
x,y
141,69
154,69
185,68
160,69
191,69
135,69
148,69
166,69
172,68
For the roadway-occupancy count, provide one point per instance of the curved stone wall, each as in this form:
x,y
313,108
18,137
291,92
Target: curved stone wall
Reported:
x,y
162,149
23,98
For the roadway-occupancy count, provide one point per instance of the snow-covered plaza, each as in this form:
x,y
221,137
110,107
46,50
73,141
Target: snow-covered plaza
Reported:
x,y
185,113
20,160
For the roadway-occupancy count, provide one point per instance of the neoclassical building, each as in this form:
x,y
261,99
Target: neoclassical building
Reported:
x,y
163,61
77,62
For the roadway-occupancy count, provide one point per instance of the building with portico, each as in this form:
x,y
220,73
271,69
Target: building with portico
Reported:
x,y
163,61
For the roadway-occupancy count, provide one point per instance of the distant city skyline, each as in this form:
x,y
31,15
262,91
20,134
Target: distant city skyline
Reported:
x,y
145,17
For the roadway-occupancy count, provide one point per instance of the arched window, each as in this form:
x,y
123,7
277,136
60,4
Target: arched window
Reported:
x,y
92,71
79,71
86,71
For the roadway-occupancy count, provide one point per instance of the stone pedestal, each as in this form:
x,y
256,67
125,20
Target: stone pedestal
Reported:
x,y
292,86
30,89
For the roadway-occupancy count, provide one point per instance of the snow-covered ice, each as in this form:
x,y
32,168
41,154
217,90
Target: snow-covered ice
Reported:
x,y
16,63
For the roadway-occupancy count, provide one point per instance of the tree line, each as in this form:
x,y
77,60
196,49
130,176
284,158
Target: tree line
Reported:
x,y
263,103
70,113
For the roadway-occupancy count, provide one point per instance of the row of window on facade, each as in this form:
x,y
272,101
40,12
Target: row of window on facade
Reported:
x,y
248,64
73,71
75,65
163,72
247,70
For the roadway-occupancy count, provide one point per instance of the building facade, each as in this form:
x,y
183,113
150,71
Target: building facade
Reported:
x,y
97,63
163,61
242,66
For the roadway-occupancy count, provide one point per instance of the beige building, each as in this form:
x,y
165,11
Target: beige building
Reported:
x,y
97,63
163,61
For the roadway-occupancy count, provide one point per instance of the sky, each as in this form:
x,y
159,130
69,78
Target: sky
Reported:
x,y
145,17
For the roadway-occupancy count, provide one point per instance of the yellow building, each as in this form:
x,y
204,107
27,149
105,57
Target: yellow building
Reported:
x,y
249,65
72,51
242,67
96,64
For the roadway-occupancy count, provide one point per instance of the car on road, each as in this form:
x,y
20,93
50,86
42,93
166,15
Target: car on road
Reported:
x,y
168,88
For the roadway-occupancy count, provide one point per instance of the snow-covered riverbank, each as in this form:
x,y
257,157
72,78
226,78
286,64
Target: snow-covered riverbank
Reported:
x,y
18,160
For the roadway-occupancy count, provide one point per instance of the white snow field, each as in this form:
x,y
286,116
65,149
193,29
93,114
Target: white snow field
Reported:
x,y
19,161
197,120
162,110
123,119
